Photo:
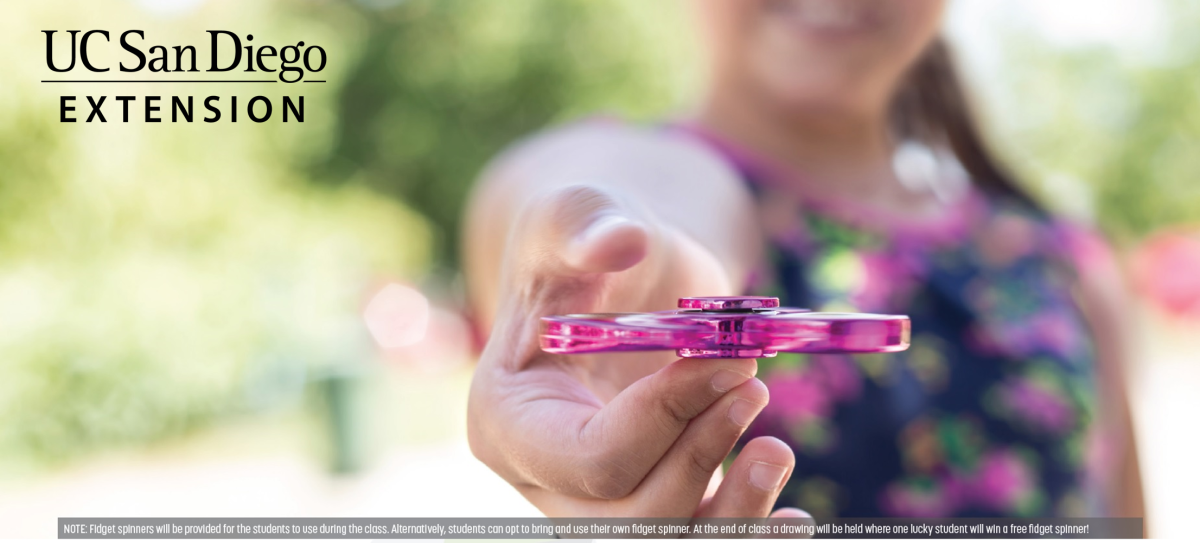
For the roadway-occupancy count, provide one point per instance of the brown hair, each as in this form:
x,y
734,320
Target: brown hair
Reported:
x,y
932,106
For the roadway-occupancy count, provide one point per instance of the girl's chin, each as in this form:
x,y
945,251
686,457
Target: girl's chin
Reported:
x,y
810,101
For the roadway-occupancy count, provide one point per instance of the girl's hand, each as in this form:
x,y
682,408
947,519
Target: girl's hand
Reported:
x,y
614,434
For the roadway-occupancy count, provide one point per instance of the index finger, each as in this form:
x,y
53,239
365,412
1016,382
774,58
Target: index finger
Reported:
x,y
554,434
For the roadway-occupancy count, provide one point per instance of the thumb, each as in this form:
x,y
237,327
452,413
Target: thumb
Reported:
x,y
565,242
582,229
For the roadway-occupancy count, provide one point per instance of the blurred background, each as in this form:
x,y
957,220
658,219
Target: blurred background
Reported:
x,y
186,309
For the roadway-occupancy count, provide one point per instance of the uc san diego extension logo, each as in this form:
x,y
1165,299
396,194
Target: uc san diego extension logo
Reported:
x,y
237,58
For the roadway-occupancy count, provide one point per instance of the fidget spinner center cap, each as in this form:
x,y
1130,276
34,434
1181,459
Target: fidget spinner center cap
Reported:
x,y
728,303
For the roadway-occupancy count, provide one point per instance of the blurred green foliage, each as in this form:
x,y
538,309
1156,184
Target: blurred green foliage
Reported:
x,y
1108,134
156,276
441,86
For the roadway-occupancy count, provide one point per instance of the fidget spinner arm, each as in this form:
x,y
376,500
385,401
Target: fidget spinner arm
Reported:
x,y
726,327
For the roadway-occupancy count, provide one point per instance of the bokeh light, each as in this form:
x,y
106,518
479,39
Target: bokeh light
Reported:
x,y
397,316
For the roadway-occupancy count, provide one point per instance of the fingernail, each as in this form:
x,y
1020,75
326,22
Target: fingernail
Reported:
x,y
742,412
725,380
767,477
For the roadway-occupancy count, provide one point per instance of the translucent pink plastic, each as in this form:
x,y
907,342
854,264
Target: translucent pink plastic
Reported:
x,y
726,327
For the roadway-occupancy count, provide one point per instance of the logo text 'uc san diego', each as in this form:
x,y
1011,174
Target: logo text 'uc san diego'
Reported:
x,y
226,53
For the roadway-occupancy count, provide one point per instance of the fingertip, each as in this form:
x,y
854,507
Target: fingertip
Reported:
x,y
754,391
769,462
753,483
790,512
748,400
610,243
791,516
769,449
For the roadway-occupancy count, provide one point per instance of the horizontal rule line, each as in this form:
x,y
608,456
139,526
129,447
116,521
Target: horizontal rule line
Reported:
x,y
162,81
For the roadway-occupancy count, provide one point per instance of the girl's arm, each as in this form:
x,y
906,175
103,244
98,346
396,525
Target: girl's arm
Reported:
x,y
609,218
1106,306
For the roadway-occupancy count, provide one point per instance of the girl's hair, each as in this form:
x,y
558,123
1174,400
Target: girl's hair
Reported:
x,y
932,106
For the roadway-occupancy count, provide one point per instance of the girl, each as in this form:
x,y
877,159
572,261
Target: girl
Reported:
x,y
834,162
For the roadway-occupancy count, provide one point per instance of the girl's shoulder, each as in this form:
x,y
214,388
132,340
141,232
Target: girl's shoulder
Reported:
x,y
645,160
606,137
1075,242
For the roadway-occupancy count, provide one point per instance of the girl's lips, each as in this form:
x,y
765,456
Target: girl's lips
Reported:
x,y
824,16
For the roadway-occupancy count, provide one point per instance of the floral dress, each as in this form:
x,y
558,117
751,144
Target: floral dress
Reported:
x,y
988,413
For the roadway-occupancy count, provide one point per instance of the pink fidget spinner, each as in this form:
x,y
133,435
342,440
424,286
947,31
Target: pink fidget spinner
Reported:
x,y
726,327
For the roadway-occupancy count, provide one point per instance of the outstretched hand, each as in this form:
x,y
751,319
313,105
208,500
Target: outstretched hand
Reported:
x,y
636,434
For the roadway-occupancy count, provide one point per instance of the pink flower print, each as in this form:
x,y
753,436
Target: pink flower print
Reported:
x,y
802,402
885,278
1018,337
1052,331
1040,406
839,375
917,497
1056,332
1036,402
796,398
1003,481
995,337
